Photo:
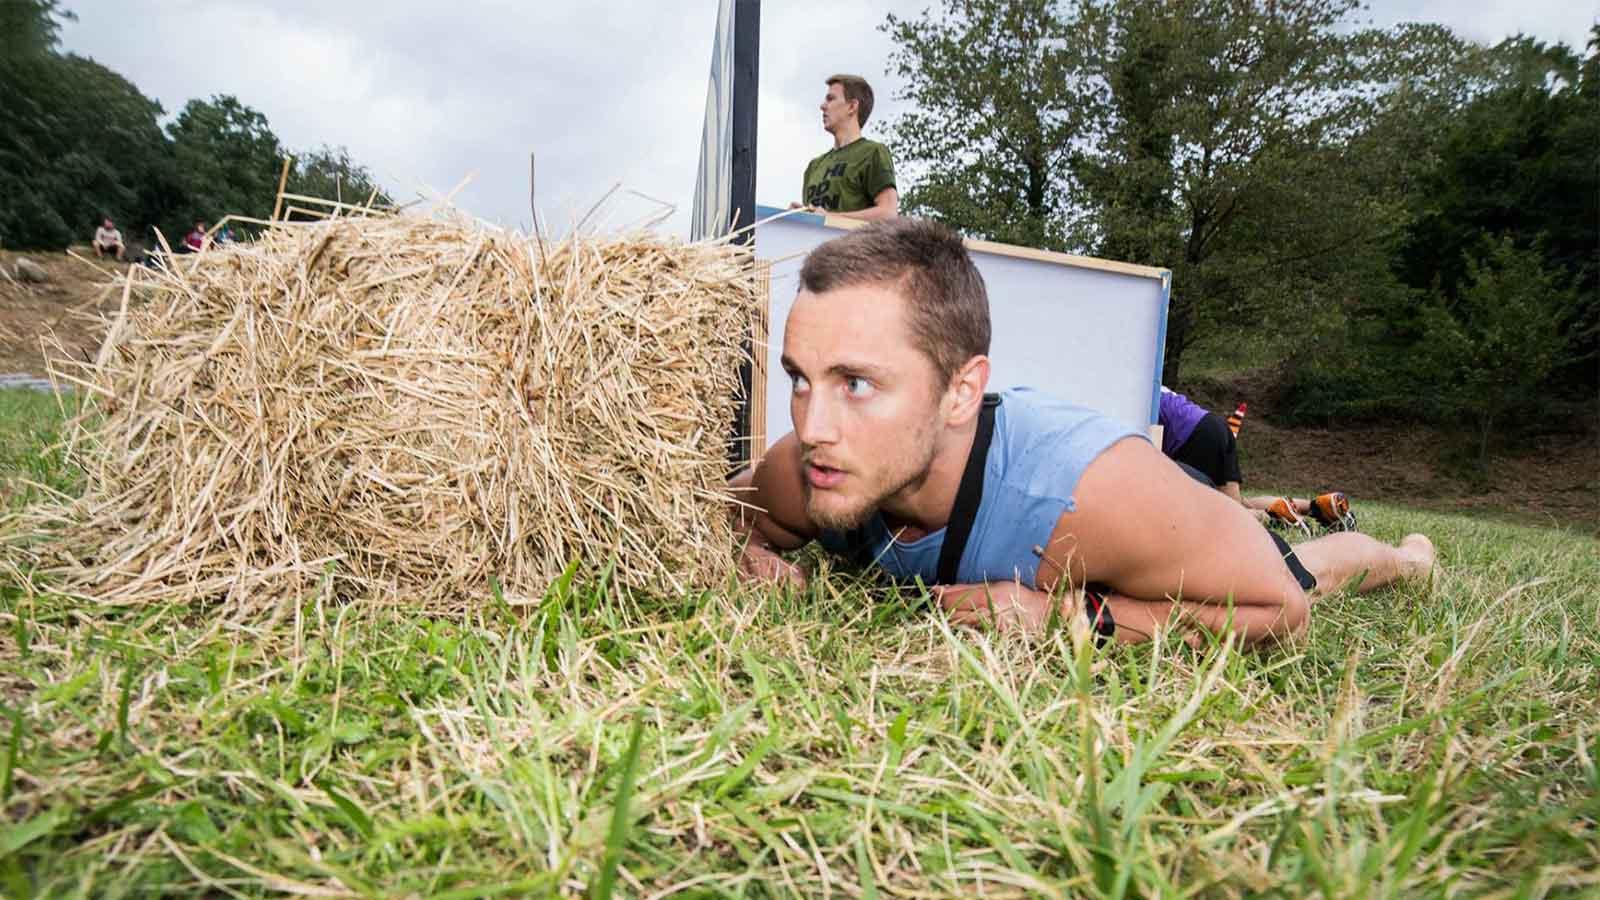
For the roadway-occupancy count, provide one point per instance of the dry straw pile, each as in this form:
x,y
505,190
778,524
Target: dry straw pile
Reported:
x,y
417,405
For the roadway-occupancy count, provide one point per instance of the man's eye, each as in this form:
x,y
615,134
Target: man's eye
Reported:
x,y
801,385
857,387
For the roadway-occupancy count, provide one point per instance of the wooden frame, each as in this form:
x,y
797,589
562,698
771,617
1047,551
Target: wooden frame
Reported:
x,y
1011,250
760,333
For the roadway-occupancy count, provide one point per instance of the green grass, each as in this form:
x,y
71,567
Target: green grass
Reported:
x,y
846,741
30,430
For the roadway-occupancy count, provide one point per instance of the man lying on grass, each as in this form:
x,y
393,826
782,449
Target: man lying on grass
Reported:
x,y
887,346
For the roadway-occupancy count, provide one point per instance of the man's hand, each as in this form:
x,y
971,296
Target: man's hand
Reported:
x,y
1008,606
762,563
884,206
769,513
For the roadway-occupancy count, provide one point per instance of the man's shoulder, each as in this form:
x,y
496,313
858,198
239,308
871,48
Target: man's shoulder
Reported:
x,y
816,166
866,147
1030,411
1047,442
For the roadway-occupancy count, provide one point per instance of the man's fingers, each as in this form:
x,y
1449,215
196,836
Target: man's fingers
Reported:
x,y
763,564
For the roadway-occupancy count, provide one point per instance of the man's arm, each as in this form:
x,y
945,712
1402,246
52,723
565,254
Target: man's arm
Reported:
x,y
877,182
1006,605
772,517
1153,534
884,206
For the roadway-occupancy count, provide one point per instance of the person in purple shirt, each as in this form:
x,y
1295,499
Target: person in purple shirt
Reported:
x,y
1201,442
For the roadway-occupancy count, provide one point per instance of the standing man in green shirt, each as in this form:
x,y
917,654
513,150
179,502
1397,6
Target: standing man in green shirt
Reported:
x,y
856,177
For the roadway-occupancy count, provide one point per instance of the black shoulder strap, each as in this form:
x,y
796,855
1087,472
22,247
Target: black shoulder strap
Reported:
x,y
968,495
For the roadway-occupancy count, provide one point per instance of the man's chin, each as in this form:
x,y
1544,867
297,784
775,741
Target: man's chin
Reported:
x,y
835,518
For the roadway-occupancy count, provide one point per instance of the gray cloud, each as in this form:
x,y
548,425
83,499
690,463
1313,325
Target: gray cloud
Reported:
x,y
426,93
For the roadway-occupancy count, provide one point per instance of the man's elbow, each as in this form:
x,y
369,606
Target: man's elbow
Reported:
x,y
1291,620
1296,612
888,204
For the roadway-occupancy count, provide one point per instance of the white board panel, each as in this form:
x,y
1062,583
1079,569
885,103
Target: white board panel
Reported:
x,y
1085,330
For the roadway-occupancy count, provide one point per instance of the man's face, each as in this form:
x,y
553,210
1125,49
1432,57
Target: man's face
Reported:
x,y
865,401
836,110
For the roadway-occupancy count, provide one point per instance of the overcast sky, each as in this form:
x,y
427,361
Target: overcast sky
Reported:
x,y
428,93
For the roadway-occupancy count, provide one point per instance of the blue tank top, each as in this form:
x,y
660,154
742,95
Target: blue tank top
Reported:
x,y
1040,448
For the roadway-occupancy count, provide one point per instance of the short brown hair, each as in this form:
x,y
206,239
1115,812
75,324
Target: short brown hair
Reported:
x,y
855,88
946,301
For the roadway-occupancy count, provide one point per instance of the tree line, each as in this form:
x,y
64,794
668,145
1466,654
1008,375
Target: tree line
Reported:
x,y
79,141
1410,215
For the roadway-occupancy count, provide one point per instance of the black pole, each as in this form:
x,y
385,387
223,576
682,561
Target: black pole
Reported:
x,y
746,79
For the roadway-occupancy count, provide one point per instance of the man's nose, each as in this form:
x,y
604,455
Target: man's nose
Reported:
x,y
816,421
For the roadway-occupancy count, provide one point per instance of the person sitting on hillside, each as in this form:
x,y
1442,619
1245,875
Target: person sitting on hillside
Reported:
x,y
108,240
1011,504
195,240
1203,442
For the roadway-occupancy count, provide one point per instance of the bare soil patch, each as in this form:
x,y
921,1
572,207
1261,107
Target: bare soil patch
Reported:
x,y
64,305
1547,479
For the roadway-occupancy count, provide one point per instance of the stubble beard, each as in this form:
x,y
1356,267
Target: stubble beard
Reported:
x,y
908,470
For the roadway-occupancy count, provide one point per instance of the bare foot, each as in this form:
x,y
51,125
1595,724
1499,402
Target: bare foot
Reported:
x,y
1419,558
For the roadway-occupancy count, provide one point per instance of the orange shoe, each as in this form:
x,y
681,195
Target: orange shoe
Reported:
x,y
1236,421
1281,513
1332,511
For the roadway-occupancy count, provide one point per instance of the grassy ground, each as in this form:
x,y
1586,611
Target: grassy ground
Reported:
x,y
846,742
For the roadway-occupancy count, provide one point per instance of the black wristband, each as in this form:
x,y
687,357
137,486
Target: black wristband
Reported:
x,y
1099,613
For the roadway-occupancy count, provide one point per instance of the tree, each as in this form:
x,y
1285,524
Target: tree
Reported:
x,y
1504,147
227,160
1517,160
1254,149
30,27
329,173
1221,139
994,119
1487,351
77,142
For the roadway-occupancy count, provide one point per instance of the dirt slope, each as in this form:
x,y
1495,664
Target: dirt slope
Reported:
x,y
76,287
1549,479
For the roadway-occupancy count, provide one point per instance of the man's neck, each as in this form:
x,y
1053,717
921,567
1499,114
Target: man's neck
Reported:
x,y
846,134
924,508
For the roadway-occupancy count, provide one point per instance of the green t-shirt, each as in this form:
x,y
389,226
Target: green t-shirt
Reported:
x,y
848,178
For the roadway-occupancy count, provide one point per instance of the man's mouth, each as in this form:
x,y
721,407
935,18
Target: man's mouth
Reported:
x,y
823,477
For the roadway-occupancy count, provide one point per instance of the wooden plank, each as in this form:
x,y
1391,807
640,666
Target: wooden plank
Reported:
x,y
283,181
1068,259
761,332
845,223
323,201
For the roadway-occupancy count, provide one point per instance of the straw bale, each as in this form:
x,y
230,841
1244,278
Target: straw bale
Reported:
x,y
413,404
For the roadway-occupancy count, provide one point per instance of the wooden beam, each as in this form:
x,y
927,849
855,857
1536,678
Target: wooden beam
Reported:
x,y
761,332
283,181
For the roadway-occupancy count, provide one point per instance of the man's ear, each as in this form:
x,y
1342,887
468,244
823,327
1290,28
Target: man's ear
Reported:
x,y
965,393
